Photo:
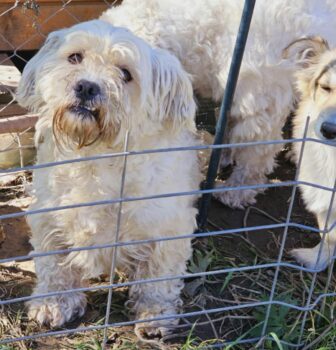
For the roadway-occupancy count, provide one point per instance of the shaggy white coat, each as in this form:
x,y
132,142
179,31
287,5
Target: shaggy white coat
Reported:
x,y
201,33
316,84
157,109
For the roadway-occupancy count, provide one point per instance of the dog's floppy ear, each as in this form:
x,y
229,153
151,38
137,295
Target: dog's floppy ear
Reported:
x,y
172,91
26,93
305,50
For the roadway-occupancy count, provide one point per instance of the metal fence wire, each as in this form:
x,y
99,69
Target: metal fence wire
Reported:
x,y
239,293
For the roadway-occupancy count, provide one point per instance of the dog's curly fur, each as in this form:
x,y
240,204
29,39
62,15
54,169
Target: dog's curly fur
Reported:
x,y
142,91
202,33
316,84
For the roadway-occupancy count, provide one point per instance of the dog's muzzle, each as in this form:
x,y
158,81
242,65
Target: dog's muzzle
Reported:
x,y
87,93
328,130
86,90
325,127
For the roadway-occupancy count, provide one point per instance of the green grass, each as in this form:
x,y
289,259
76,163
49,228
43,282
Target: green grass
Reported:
x,y
280,322
92,345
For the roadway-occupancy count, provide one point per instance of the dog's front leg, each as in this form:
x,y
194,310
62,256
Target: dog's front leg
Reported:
x,y
312,257
52,276
252,163
159,299
262,102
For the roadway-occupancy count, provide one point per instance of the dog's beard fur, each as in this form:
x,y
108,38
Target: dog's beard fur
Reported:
x,y
72,128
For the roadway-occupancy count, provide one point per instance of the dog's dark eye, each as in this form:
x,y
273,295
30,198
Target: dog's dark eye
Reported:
x,y
326,88
75,58
126,75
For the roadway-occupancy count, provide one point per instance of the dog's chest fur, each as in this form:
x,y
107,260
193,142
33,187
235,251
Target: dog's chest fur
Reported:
x,y
318,165
100,180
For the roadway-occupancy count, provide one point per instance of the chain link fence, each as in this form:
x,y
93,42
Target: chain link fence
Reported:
x,y
242,289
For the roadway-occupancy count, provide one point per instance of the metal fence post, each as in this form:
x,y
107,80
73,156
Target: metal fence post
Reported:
x,y
226,107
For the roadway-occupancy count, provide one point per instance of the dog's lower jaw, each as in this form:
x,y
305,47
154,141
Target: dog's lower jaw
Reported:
x,y
70,125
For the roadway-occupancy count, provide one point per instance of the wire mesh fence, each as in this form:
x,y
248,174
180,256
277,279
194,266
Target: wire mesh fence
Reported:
x,y
311,301
242,288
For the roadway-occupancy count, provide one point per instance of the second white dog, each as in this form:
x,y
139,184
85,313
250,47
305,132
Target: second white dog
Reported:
x,y
316,83
201,33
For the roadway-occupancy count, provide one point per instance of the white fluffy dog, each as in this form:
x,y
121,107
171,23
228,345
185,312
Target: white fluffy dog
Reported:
x,y
202,33
316,83
91,84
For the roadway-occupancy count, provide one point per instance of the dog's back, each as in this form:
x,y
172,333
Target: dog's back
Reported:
x,y
202,35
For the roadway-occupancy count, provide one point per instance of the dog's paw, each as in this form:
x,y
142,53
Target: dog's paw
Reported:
x,y
238,199
151,331
154,331
55,311
308,257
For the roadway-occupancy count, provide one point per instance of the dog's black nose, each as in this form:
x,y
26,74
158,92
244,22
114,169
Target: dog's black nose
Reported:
x,y
328,130
86,90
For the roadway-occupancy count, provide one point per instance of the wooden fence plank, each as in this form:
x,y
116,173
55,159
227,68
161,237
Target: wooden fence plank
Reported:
x,y
26,29
17,124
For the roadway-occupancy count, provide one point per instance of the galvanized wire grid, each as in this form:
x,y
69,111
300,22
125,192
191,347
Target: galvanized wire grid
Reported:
x,y
277,265
313,299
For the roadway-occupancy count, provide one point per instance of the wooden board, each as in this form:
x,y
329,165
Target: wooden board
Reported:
x,y
9,75
13,118
23,26
12,110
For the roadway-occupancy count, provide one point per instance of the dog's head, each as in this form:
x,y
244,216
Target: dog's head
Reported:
x,y
94,80
316,82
